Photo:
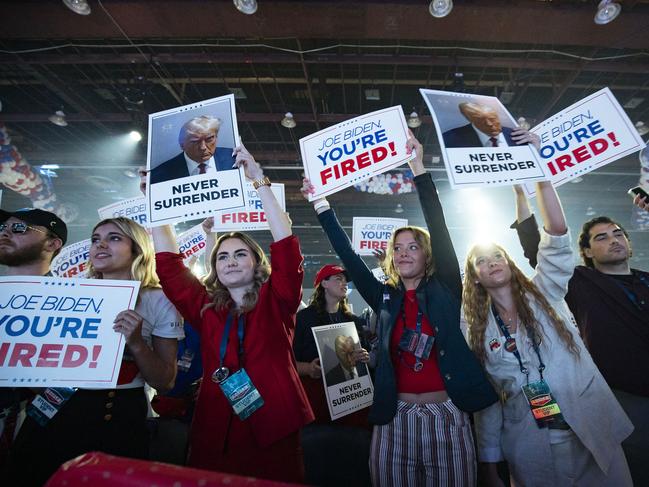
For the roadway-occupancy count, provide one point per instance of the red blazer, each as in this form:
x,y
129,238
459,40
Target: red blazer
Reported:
x,y
268,353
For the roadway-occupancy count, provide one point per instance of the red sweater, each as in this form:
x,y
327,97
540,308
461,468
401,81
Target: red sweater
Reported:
x,y
268,354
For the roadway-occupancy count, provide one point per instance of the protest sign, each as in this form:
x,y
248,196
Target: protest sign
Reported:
x,y
133,208
374,233
72,261
59,332
587,135
352,151
474,133
348,385
192,243
252,216
189,162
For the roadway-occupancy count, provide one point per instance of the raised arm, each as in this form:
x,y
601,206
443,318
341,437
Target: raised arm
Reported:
x,y
280,225
554,220
447,267
368,286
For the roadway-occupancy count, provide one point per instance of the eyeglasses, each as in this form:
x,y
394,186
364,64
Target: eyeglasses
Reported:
x,y
18,227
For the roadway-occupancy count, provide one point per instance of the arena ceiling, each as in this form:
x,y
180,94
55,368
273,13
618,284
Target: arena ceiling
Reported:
x,y
324,61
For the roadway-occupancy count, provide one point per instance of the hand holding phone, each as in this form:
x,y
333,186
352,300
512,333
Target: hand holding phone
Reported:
x,y
640,197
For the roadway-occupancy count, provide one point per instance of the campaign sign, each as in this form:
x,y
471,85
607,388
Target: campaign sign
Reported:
x,y
474,133
252,216
72,261
59,332
192,243
190,171
347,384
585,136
352,151
133,208
371,234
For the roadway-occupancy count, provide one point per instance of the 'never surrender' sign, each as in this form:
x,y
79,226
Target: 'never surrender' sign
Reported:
x,y
59,332
352,151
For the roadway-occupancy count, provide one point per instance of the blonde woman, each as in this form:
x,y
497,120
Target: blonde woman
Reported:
x,y
557,422
422,397
111,420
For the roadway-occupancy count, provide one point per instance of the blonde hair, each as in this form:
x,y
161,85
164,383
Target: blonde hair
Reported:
x,y
422,237
477,302
219,293
143,265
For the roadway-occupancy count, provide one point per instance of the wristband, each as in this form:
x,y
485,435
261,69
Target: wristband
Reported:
x,y
323,203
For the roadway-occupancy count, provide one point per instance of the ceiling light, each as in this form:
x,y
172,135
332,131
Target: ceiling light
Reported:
x,y
130,173
80,7
372,94
590,211
577,180
58,119
641,127
523,123
288,121
399,208
413,120
50,166
135,136
607,11
440,8
247,7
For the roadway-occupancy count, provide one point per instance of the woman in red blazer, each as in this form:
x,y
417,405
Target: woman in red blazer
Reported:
x,y
245,315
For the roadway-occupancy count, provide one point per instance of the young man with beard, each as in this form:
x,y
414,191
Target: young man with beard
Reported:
x,y
610,302
29,240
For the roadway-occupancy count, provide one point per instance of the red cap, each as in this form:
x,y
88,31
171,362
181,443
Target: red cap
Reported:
x,y
328,271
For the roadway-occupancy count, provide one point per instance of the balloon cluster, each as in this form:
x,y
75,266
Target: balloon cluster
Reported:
x,y
388,183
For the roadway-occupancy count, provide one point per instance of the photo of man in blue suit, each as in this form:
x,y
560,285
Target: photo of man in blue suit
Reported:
x,y
197,139
484,129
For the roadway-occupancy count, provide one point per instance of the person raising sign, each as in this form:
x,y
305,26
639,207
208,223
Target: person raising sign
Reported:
x,y
245,315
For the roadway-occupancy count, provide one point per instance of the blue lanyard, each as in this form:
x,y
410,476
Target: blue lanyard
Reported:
x,y
510,345
226,337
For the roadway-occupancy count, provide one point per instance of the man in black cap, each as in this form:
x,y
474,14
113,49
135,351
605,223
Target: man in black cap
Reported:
x,y
29,239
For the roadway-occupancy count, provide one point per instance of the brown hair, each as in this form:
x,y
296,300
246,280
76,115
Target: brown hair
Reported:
x,y
477,302
220,295
422,237
320,303
584,236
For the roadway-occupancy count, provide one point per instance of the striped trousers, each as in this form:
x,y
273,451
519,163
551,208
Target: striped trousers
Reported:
x,y
425,444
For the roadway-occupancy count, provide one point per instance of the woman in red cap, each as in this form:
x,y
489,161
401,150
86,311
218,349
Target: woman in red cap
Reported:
x,y
345,442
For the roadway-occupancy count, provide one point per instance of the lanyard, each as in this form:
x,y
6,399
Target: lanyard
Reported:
x,y
510,346
420,316
630,294
226,337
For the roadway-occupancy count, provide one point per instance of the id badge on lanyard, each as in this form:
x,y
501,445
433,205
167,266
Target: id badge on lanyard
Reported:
x,y
48,403
239,390
241,393
543,405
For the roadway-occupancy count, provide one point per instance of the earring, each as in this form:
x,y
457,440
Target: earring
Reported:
x,y
477,282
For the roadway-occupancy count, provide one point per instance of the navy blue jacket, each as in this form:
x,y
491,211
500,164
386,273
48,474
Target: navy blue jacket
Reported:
x,y
438,296
176,167
465,136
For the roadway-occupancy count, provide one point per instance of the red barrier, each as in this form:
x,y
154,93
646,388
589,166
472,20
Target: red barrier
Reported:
x,y
97,469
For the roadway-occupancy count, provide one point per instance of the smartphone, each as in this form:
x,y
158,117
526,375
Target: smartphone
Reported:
x,y
639,191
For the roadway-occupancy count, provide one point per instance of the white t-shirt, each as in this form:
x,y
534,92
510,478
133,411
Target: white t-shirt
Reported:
x,y
160,319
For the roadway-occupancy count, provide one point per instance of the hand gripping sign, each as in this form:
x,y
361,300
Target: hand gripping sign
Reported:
x,y
587,135
72,261
371,234
474,133
252,216
352,151
59,332
347,383
190,170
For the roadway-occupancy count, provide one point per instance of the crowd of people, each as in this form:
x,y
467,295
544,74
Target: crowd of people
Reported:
x,y
539,380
